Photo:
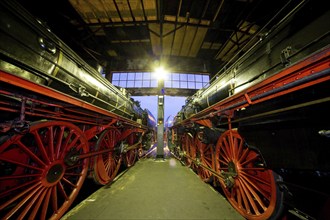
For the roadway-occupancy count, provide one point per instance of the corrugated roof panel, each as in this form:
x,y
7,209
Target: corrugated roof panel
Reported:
x,y
237,40
155,40
150,9
187,42
168,38
178,40
196,44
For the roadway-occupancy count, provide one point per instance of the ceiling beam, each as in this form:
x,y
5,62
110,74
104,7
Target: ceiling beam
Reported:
x,y
218,11
155,91
175,25
118,11
130,10
127,23
144,11
160,13
199,22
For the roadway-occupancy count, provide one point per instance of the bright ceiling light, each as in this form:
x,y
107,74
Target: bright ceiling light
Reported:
x,y
160,73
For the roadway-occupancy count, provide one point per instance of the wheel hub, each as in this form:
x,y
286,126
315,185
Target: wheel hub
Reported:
x,y
232,169
229,180
54,173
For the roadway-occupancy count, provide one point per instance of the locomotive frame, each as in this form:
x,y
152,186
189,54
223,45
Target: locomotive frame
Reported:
x,y
260,130
60,121
54,144
222,152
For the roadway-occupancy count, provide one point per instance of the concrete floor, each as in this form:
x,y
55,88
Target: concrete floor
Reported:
x,y
155,189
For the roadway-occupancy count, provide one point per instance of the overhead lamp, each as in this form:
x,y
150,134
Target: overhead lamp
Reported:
x,y
160,73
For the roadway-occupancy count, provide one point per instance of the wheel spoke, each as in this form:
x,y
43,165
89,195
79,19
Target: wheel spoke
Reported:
x,y
256,178
224,155
265,196
22,201
64,146
231,146
207,163
244,196
239,197
59,142
73,142
205,154
41,147
234,146
18,196
38,204
51,143
222,161
31,203
69,182
67,143
45,205
245,153
18,176
53,198
62,191
20,164
239,150
256,156
31,154
226,148
251,195
17,188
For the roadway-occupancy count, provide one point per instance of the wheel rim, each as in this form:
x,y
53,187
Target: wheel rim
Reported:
x,y
106,165
205,155
249,187
189,149
38,182
131,155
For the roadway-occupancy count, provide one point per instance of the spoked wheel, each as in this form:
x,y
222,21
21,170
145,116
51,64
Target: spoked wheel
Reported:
x,y
175,149
205,156
188,147
131,155
106,165
38,178
250,188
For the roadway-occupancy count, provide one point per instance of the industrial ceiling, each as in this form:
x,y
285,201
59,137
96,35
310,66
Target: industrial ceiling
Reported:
x,y
187,35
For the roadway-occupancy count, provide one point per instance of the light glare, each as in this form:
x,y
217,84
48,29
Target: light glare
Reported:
x,y
160,73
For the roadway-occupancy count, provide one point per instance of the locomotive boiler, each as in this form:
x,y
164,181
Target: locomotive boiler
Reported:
x,y
60,121
260,130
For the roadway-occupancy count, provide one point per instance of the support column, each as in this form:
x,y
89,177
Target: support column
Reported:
x,y
160,125
161,91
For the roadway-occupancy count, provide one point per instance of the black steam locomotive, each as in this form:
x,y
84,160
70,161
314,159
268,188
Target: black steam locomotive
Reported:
x,y
60,121
261,128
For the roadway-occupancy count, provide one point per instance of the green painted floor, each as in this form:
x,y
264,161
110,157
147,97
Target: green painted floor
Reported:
x,y
155,189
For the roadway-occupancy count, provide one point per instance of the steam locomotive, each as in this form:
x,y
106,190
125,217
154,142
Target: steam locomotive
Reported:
x,y
60,121
261,129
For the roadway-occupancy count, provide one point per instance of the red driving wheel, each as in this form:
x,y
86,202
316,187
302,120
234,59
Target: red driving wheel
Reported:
x,y
39,179
131,155
205,156
248,185
189,149
106,165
